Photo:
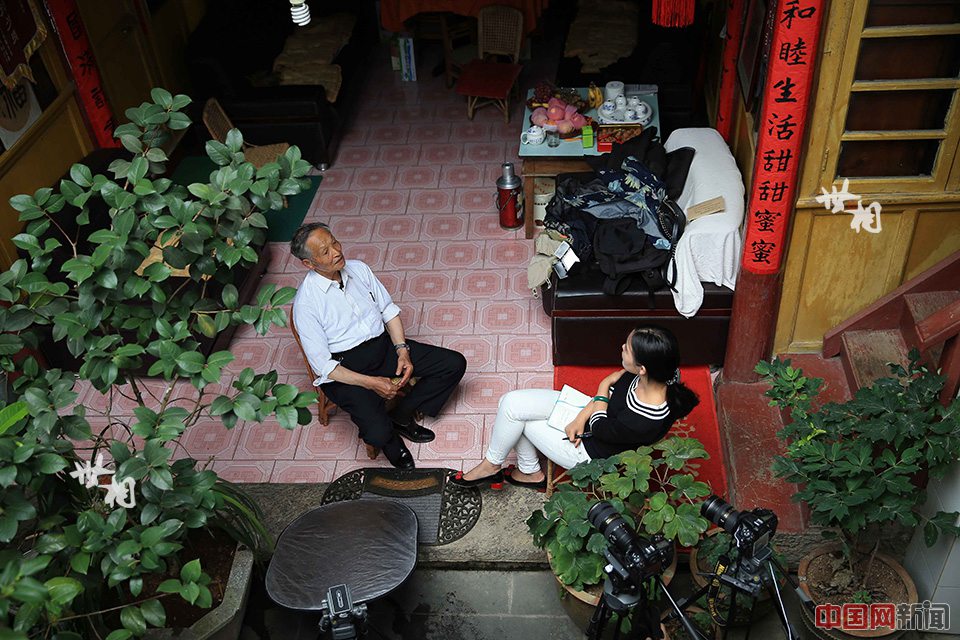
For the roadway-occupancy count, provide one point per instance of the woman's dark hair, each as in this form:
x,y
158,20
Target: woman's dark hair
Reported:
x,y
657,349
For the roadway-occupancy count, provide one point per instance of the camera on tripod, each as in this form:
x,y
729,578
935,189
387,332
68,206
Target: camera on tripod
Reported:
x,y
640,558
632,562
751,530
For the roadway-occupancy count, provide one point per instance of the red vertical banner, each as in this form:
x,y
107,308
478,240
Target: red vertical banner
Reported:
x,y
76,47
783,120
728,68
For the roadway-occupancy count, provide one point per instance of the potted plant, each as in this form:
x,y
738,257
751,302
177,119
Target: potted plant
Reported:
x,y
103,524
859,465
655,489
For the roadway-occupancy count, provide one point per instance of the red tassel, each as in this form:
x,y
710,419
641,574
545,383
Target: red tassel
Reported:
x,y
673,13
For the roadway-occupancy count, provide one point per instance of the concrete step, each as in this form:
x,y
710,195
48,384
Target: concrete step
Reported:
x,y
865,355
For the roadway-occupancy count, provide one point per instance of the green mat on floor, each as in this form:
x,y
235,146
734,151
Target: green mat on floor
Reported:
x,y
280,224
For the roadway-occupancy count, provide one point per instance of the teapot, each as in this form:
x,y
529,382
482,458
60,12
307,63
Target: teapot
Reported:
x,y
533,135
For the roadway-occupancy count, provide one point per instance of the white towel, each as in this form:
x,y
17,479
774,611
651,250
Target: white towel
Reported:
x,y
710,247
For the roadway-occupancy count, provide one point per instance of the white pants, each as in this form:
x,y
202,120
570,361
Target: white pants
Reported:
x,y
521,424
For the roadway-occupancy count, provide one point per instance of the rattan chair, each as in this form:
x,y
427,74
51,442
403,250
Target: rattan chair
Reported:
x,y
487,80
325,407
218,124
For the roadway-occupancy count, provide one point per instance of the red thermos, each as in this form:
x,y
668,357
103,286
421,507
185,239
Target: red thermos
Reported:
x,y
509,198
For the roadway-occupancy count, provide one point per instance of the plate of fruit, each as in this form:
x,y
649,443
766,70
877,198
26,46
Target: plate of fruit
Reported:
x,y
558,110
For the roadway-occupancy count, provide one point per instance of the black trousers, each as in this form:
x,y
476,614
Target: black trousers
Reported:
x,y
438,371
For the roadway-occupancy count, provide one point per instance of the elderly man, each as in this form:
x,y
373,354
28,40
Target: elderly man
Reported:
x,y
352,335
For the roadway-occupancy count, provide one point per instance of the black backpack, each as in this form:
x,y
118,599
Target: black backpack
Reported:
x,y
624,251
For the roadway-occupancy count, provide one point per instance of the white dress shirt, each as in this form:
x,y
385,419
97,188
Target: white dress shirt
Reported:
x,y
333,320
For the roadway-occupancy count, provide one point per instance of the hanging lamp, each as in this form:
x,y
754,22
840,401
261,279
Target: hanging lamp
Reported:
x,y
673,13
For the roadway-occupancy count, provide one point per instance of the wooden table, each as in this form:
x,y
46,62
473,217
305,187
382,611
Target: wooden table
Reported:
x,y
541,161
543,168
393,13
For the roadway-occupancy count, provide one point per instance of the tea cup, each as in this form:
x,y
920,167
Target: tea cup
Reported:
x,y
633,102
533,135
612,89
608,108
630,115
621,102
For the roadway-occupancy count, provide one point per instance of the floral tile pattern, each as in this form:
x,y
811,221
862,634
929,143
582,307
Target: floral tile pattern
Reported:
x,y
411,193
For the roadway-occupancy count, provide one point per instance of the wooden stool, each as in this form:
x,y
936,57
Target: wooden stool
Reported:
x,y
555,474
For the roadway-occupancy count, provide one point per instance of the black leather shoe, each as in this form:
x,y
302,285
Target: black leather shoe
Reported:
x,y
400,456
414,432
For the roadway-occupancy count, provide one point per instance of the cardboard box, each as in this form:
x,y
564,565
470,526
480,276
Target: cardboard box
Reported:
x,y
408,63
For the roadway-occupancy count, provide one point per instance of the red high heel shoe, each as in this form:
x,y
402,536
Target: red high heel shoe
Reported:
x,y
495,480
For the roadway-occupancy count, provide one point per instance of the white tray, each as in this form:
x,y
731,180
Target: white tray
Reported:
x,y
618,118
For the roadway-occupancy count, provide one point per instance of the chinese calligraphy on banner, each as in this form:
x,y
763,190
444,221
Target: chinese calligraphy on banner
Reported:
x,y
783,118
79,54
21,33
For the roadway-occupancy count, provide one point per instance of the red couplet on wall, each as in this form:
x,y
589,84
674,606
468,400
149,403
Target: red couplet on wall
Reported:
x,y
76,47
728,68
782,124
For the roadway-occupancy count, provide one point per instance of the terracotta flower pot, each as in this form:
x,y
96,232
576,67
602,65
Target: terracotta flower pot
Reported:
x,y
834,634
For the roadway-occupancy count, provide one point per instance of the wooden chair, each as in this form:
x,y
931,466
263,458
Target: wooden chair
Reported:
x,y
487,80
325,407
218,124
447,29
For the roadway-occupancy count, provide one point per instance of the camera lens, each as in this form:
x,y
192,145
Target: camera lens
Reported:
x,y
641,557
721,513
608,521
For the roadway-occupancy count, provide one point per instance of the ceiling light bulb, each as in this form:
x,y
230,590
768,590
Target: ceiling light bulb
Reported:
x,y
300,12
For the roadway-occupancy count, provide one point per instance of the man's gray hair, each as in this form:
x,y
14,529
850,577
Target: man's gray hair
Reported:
x,y
298,243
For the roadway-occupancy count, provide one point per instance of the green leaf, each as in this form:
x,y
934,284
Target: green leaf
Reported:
x,y
287,417
131,143
190,362
178,121
190,572
80,562
234,140
162,97
82,175
132,619
11,415
51,463
190,592
153,613
120,634
169,586
63,590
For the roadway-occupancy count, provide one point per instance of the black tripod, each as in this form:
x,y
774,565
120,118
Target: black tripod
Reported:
x,y
747,575
625,597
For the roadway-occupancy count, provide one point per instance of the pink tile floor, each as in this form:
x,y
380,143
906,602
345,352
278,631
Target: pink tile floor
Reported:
x,y
411,194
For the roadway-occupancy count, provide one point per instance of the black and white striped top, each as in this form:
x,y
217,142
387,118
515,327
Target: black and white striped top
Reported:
x,y
627,423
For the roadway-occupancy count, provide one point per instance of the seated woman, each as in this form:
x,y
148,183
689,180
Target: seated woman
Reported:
x,y
634,406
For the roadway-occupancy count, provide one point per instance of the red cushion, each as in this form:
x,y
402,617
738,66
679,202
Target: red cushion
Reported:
x,y
488,79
